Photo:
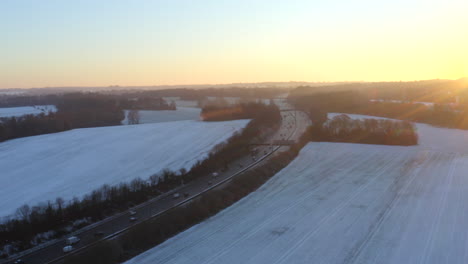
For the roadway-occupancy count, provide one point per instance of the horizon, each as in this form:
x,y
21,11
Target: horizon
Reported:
x,y
175,86
155,43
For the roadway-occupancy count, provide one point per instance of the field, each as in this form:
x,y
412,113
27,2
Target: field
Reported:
x,y
73,163
151,116
344,203
26,110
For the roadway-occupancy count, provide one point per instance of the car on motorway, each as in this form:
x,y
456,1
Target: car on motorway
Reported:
x,y
176,195
19,261
72,240
132,212
67,249
133,219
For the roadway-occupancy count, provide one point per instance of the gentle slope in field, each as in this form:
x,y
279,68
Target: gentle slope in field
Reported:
x,y
340,203
73,163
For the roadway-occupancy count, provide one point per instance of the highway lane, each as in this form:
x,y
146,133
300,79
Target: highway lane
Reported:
x,y
292,126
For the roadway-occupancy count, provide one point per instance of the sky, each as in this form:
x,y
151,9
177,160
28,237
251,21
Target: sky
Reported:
x,y
167,42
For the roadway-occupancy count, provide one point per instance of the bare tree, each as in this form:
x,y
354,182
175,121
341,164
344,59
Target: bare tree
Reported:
x,y
133,117
154,179
23,212
59,202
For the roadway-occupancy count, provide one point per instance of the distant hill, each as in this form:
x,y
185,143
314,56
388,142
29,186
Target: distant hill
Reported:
x,y
438,91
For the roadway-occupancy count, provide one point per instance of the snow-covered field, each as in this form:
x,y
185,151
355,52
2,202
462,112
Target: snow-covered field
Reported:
x,y
181,103
26,110
428,104
182,113
73,163
11,92
344,203
230,100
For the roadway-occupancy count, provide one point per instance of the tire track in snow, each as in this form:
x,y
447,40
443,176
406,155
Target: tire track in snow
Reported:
x,y
435,224
436,158
276,216
334,212
435,161
390,207
458,204
325,168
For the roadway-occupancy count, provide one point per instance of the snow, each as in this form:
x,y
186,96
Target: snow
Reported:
x,y
181,103
428,104
151,116
344,203
73,163
26,110
235,100
230,100
11,92
186,103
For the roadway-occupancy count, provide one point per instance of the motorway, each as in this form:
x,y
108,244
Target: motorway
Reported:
x,y
293,124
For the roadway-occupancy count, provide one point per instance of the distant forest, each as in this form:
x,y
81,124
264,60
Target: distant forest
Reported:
x,y
434,91
146,103
236,111
133,100
450,110
196,94
73,111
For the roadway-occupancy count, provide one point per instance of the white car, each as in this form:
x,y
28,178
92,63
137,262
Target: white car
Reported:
x,y
67,249
72,240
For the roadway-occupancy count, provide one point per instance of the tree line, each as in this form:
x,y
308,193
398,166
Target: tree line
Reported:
x,y
108,200
353,102
196,94
73,111
145,103
435,91
342,128
249,110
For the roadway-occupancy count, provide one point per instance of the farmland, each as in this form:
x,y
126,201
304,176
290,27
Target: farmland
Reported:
x,y
26,110
159,116
75,162
344,203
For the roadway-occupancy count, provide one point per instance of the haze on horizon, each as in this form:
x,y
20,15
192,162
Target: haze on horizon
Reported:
x,y
118,42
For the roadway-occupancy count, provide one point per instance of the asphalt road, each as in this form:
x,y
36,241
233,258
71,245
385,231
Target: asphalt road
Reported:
x,y
292,125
